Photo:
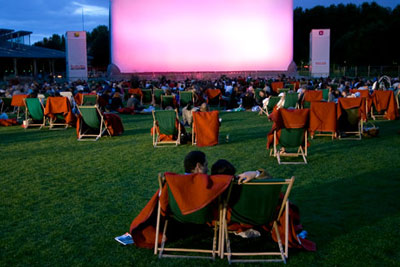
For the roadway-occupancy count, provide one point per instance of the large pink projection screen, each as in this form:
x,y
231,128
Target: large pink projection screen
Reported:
x,y
201,35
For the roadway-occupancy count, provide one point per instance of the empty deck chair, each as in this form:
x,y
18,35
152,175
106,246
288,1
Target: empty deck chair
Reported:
x,y
91,124
34,115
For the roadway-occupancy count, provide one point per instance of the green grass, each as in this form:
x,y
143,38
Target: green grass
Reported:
x,y
62,202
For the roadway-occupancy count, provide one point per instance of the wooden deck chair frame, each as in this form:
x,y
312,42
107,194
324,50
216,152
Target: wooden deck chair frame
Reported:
x,y
300,151
92,137
41,125
396,96
266,108
53,124
162,250
376,116
5,106
283,252
156,134
322,133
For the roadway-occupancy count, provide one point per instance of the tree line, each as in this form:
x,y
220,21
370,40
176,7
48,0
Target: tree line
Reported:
x,y
360,35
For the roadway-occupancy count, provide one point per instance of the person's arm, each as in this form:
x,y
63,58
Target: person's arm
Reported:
x,y
250,175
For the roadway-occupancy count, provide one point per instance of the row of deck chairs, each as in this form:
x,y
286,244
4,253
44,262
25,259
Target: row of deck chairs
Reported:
x,y
239,201
167,128
157,96
91,124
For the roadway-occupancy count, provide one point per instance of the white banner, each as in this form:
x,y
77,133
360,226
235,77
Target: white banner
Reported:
x,y
76,55
320,52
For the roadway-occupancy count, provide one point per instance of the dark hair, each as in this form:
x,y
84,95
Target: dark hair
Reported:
x,y
223,167
192,159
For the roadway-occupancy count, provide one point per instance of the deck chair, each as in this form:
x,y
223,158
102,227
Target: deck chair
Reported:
x,y
58,110
89,100
205,128
255,203
147,96
17,102
213,97
290,86
166,128
157,93
92,125
167,101
311,96
5,104
269,107
398,99
350,116
323,119
291,100
67,95
384,105
201,215
284,90
137,93
325,94
291,134
275,86
185,97
34,115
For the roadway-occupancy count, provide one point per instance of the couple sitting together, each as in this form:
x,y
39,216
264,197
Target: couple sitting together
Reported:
x,y
194,190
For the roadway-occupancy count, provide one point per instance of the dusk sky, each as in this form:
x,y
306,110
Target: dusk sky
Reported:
x,y
44,17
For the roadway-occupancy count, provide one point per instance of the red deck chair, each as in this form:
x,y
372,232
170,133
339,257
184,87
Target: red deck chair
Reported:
x,y
17,101
58,109
205,128
384,101
323,119
213,96
275,86
350,116
311,96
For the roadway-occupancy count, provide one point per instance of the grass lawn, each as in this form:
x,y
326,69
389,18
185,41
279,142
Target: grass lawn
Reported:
x,y
62,202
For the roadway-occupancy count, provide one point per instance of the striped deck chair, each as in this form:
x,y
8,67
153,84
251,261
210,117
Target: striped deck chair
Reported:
x,y
92,124
34,115
255,203
190,202
166,128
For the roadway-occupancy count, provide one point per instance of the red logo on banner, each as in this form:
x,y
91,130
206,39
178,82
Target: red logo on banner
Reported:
x,y
321,32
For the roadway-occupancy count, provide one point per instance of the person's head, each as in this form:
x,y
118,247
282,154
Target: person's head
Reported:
x,y
204,107
223,166
196,162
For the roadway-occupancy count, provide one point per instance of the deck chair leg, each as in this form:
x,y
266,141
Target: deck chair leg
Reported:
x,y
287,229
303,155
157,229
221,236
279,242
228,244
164,237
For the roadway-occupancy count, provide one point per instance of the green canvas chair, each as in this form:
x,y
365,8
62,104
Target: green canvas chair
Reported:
x,y
200,217
185,97
273,101
157,93
167,101
325,94
255,203
165,124
34,115
92,125
284,90
147,96
291,100
6,104
291,139
290,86
350,125
89,100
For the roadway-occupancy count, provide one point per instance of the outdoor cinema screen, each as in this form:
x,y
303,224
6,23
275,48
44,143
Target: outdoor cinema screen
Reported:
x,y
201,35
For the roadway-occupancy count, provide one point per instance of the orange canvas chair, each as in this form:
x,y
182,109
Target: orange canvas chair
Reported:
x,y
364,94
289,131
323,119
350,116
311,96
205,128
275,86
384,102
58,110
137,93
189,199
17,101
213,97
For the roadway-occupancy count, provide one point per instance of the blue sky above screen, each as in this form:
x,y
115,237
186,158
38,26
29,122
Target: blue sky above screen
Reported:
x,y
45,17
